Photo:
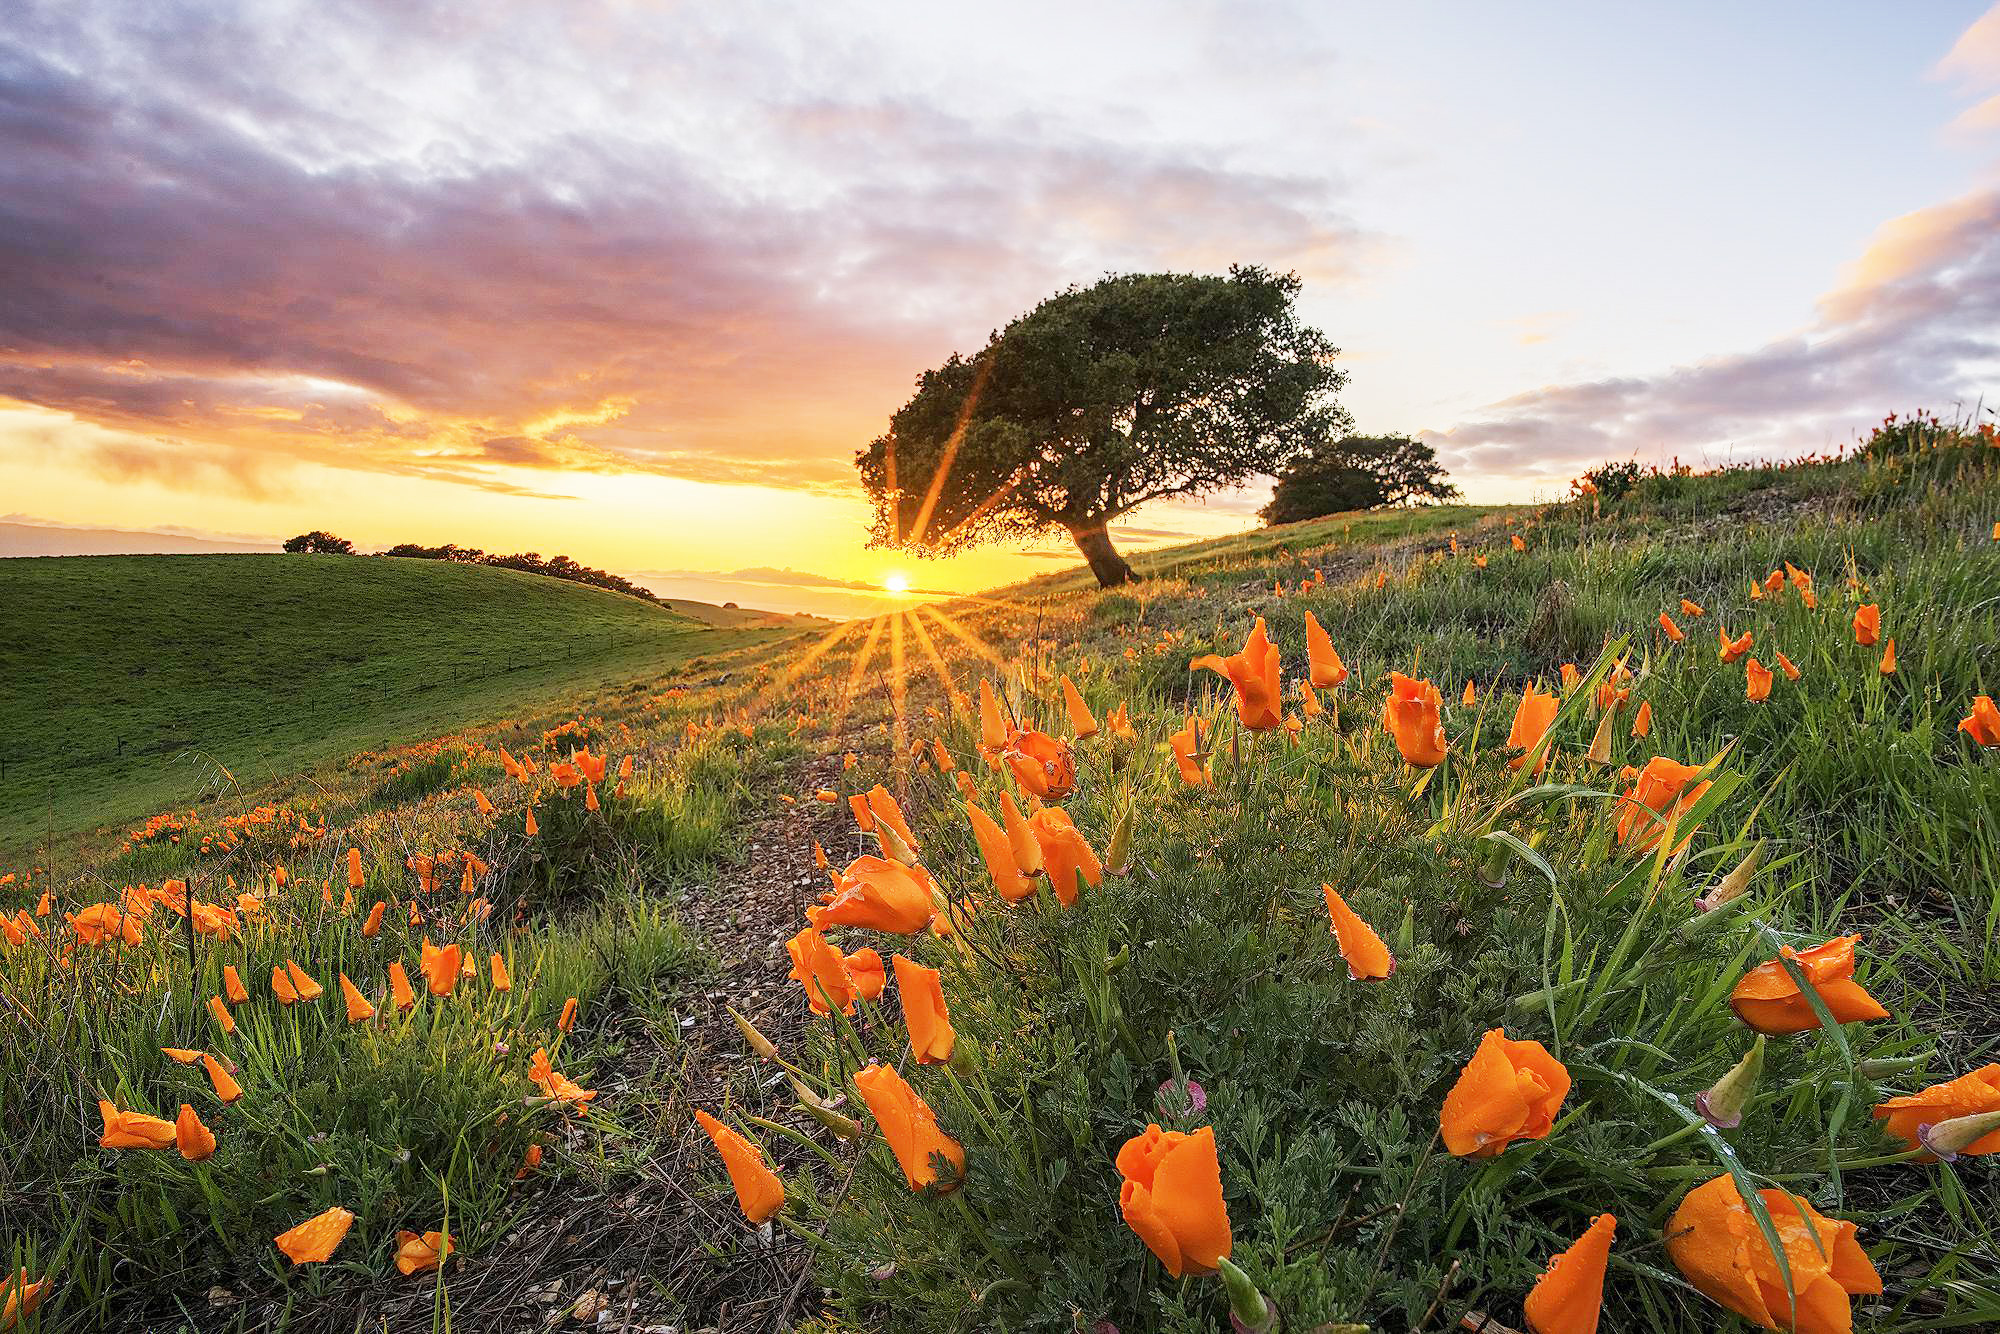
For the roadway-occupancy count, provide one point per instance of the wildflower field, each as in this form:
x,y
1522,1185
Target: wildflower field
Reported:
x,y
1558,918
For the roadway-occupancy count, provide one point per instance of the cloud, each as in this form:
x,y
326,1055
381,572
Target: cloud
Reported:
x,y
1913,323
537,245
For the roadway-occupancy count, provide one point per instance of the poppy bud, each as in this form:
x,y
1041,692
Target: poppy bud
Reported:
x,y
1732,885
1722,1106
756,1041
1118,856
1600,742
1249,1313
1948,1139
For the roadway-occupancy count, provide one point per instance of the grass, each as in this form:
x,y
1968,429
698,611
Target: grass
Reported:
x,y
133,683
1510,900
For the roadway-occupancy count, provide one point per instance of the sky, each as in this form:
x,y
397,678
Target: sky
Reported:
x,y
634,281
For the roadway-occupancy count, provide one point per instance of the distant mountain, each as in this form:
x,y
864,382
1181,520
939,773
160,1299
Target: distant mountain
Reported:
x,y
38,539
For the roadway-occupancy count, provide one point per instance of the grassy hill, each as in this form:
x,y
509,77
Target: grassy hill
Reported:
x,y
125,681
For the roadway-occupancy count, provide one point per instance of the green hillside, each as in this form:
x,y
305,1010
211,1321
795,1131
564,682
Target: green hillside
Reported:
x,y
125,681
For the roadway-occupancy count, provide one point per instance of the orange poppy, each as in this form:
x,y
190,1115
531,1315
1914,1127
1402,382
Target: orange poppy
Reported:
x,y
924,1014
1042,765
881,894
1324,668
1756,681
1020,836
420,1253
316,1239
1570,677
359,1010
220,1013
1309,701
1719,1248
1982,723
303,986
819,968
1368,959
496,969
133,1130
1411,716
1186,748
1065,854
566,1021
1082,722
1660,790
1691,608
1569,1296
1518,544
1008,881
1788,667
759,1192
1254,673
1511,1089
1732,649
19,1298
373,925
865,970
1119,721
1470,697
191,1137
531,828
232,985
1774,581
225,1085
399,986
355,879
1867,625
1673,631
282,987
992,723
1533,717
1767,999
1968,1095
891,829
440,965
558,1087
910,1127
1642,722
1172,1197
1888,667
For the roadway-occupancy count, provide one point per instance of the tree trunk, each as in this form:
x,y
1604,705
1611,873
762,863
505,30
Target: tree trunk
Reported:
x,y
1105,562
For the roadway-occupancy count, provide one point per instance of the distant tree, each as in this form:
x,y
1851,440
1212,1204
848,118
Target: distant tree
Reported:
x,y
1358,472
319,543
1100,399
529,562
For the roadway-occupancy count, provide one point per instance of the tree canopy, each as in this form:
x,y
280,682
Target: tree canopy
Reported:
x,y
1358,472
319,543
1100,399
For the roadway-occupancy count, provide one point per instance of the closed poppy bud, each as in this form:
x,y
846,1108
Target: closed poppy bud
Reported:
x,y
1065,854
992,724
1250,1312
373,926
910,1128
858,804
1673,631
1642,722
1867,625
1533,717
1982,723
232,985
354,877
1571,677
924,1014
1187,754
399,986
1769,1000
358,1008
1008,882
303,986
1511,1089
281,986
865,970
1020,837
567,1019
1756,591
1324,668
420,1253
1411,716
19,1298
191,1137
1309,701
1722,1105
440,966
1717,1245
1254,672
1888,667
1172,1197
1600,740
1082,723
1961,1134
1732,885
1368,959
1569,1296
1956,1100
759,1192
753,1036
1757,681
1691,608
880,894
220,1013
132,1130
315,1240
225,1085
1118,856
1786,665
531,828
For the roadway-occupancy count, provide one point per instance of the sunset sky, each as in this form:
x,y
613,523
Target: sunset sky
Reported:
x,y
634,281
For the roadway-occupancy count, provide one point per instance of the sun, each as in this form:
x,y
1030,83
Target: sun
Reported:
x,y
897,583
